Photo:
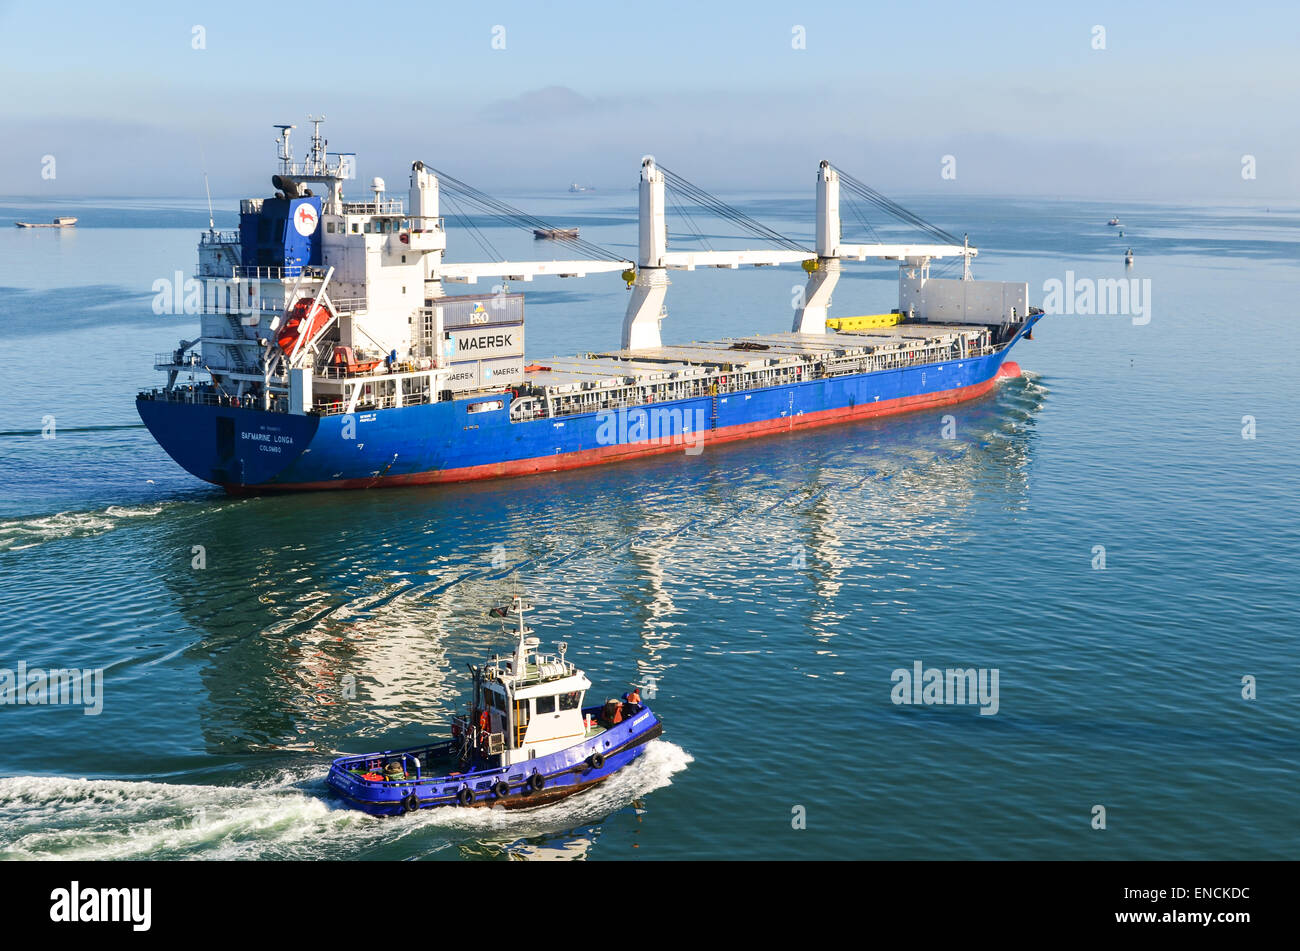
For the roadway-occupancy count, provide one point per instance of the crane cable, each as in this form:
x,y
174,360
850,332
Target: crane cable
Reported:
x,y
500,209
891,207
720,208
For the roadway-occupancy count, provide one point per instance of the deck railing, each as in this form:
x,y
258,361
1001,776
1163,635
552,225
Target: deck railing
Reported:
x,y
389,206
219,237
207,397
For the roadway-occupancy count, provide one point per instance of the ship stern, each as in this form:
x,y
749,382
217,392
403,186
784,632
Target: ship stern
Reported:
x,y
237,448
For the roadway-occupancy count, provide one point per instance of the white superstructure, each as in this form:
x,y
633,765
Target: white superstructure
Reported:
x,y
533,700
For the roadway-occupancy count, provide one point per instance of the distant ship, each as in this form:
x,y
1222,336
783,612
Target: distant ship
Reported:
x,y
329,355
555,232
575,187
1114,222
63,221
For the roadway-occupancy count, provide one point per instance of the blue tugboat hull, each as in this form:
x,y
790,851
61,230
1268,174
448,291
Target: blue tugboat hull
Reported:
x,y
562,774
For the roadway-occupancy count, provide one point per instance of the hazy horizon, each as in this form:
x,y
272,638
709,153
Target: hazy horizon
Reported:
x,y
1018,103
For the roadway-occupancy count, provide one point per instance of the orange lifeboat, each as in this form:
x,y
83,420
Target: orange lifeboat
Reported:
x,y
306,318
344,359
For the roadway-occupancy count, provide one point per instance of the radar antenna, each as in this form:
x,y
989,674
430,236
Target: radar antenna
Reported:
x,y
285,151
316,160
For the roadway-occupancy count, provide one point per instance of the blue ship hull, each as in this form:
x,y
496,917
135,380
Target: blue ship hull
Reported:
x,y
250,450
535,782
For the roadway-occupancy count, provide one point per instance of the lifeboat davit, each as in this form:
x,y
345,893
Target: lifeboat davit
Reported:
x,y
306,318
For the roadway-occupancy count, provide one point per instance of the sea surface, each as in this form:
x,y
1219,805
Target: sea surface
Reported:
x,y
769,590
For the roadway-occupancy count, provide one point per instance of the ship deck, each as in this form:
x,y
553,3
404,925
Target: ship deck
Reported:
x,y
738,354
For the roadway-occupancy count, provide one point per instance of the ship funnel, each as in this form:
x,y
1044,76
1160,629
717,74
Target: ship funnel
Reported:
x,y
286,185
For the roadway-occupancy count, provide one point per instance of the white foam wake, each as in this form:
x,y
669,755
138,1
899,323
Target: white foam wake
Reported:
x,y
19,533
45,817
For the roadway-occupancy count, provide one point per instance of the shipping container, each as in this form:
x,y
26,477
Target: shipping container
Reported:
x,y
483,343
485,374
478,310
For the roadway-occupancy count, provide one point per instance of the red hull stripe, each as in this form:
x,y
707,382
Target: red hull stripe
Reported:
x,y
607,454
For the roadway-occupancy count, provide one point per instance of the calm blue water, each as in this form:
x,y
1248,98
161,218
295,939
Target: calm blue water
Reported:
x,y
770,588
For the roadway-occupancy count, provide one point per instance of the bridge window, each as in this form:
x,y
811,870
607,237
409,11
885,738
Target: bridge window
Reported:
x,y
545,705
570,701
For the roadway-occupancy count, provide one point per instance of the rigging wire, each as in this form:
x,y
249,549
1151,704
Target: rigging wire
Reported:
x,y
500,209
720,208
693,229
856,208
893,208
473,230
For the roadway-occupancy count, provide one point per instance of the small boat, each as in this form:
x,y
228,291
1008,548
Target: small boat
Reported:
x,y
345,360
1128,257
526,740
62,221
1114,222
555,233
306,319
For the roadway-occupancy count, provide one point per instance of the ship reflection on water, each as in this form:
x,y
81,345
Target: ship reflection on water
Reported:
x,y
338,621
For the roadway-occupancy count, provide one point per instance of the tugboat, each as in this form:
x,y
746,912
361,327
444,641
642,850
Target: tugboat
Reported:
x,y
526,740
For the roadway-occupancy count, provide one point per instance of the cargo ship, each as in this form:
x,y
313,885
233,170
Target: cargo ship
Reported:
x,y
330,355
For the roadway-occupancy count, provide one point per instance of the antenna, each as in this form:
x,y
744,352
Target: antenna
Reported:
x,y
212,227
285,152
317,159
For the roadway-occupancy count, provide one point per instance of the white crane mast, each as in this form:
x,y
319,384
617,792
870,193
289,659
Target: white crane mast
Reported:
x,y
645,311
822,278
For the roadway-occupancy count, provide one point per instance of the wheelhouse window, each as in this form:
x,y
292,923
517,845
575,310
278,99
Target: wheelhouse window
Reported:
x,y
570,701
545,705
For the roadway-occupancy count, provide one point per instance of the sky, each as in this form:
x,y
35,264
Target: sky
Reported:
x,y
1006,98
